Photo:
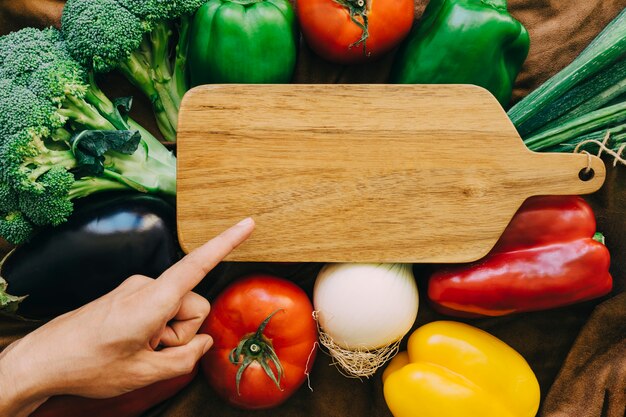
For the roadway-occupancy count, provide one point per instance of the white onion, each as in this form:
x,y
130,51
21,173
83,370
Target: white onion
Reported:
x,y
366,306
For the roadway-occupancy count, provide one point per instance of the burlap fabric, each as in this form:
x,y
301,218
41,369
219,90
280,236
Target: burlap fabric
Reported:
x,y
578,353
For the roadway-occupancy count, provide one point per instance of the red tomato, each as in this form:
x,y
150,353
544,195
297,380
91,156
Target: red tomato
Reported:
x,y
334,35
259,325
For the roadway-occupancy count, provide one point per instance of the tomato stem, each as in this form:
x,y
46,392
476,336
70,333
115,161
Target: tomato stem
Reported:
x,y
358,9
255,347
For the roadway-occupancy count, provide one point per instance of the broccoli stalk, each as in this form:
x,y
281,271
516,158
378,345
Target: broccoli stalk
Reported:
x,y
143,174
163,108
179,76
110,111
126,158
136,37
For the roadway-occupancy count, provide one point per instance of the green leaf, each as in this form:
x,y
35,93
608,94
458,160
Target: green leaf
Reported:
x,y
90,146
8,303
122,107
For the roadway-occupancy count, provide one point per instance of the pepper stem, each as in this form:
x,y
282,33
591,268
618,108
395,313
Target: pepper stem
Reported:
x,y
255,347
599,237
496,4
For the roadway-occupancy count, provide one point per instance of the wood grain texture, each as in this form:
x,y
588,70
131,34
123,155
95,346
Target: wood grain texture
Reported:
x,y
359,173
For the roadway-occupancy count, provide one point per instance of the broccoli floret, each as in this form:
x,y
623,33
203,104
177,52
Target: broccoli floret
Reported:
x,y
21,109
55,205
137,38
15,228
23,51
58,81
25,158
118,32
64,82
149,11
51,207
8,198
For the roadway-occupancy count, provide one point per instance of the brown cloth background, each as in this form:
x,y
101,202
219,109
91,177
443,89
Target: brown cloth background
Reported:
x,y
578,352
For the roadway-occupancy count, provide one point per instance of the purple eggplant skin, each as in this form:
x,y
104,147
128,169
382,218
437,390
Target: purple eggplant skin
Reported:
x,y
100,246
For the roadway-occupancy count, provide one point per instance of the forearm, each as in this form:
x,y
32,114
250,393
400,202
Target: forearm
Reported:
x,y
22,387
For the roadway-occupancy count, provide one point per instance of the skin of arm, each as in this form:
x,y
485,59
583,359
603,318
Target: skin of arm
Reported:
x,y
142,332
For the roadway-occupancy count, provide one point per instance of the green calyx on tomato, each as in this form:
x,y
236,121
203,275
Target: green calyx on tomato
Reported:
x,y
242,323
256,347
358,8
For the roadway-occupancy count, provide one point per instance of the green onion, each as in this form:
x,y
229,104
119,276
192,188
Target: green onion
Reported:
x,y
599,119
589,142
606,49
590,95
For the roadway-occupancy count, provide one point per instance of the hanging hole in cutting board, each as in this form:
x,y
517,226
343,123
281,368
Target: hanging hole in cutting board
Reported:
x,y
586,174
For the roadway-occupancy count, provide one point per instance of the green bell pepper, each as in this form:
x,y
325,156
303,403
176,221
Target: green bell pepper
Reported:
x,y
464,42
243,41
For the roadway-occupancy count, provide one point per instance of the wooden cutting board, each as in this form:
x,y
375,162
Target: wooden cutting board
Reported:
x,y
359,173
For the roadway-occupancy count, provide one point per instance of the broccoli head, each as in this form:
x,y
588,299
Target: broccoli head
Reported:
x,y
41,62
15,228
117,33
59,137
136,37
23,51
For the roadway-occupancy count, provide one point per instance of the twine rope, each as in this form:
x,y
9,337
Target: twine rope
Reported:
x,y
602,148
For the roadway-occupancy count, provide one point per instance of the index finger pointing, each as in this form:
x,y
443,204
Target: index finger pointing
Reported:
x,y
184,275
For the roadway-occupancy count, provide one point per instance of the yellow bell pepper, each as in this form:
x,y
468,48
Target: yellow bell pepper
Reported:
x,y
455,370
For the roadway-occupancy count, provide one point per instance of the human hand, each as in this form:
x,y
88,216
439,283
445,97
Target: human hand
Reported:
x,y
142,332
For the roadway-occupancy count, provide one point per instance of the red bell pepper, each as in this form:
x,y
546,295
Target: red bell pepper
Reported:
x,y
547,257
131,404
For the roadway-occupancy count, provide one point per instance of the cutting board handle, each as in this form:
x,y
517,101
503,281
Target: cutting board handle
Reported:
x,y
569,174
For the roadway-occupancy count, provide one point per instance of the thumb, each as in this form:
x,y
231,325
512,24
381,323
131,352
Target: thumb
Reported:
x,y
181,360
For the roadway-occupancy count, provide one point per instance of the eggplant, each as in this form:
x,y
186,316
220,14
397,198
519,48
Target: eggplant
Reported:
x,y
100,246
